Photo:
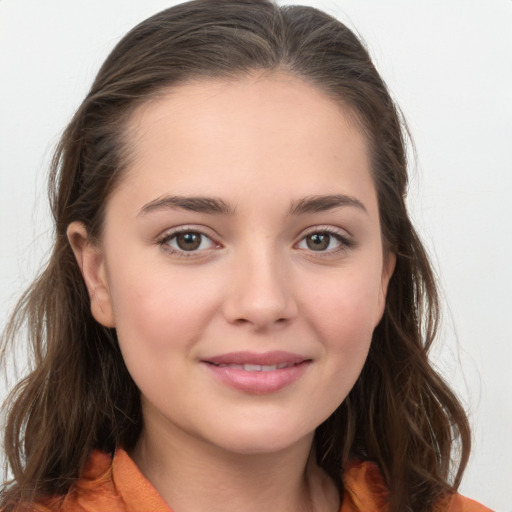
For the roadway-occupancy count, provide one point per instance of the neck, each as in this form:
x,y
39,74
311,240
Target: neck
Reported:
x,y
192,475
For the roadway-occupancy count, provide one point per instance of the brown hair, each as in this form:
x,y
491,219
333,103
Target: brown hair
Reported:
x,y
80,396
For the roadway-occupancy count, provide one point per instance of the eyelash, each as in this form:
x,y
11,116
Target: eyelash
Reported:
x,y
164,240
345,242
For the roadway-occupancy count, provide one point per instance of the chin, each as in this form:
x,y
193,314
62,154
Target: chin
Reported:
x,y
263,440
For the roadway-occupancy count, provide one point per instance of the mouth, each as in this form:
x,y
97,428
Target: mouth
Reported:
x,y
256,361
258,373
255,367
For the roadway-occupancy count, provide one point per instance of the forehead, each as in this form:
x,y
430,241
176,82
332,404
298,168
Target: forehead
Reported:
x,y
263,100
218,136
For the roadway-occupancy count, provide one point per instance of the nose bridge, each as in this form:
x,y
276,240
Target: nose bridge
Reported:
x,y
260,289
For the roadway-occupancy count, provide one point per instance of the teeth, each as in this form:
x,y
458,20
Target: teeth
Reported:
x,y
263,367
252,367
256,367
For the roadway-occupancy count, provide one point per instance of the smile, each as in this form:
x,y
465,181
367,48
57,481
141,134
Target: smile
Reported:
x,y
255,373
257,367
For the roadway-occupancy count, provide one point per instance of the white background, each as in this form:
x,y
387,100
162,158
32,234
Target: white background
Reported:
x,y
449,65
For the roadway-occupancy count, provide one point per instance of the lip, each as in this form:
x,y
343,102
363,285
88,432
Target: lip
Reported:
x,y
263,373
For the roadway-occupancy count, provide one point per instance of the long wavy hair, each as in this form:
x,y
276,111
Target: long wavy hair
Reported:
x,y
79,395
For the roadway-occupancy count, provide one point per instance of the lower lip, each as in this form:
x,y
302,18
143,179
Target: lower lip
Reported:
x,y
258,383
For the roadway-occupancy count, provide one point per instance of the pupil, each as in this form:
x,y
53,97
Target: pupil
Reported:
x,y
189,241
318,241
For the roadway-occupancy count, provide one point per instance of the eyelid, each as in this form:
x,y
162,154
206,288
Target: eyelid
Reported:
x,y
346,240
169,234
325,228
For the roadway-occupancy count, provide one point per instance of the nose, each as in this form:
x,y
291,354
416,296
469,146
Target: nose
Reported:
x,y
260,293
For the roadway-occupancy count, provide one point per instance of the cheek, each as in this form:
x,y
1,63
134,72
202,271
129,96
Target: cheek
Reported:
x,y
347,311
342,317
161,310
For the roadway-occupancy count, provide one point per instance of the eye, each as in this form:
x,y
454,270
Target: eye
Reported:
x,y
187,241
324,241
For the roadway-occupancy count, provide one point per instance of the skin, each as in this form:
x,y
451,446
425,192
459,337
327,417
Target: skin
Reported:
x,y
257,282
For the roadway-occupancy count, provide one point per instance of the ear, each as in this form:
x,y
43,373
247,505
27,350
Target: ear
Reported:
x,y
91,261
388,267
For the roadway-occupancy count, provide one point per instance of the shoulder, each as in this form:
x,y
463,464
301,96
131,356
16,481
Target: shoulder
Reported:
x,y
107,484
365,491
364,488
95,480
458,503
93,491
113,484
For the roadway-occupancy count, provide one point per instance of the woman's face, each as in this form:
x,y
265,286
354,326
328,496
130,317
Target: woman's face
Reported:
x,y
241,261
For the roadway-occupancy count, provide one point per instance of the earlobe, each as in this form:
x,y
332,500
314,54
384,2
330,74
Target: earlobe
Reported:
x,y
387,271
91,261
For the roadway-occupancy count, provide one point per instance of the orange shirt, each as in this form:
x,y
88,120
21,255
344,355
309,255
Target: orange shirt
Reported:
x,y
117,485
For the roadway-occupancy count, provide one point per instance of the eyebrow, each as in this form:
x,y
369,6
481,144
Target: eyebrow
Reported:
x,y
212,205
313,204
193,204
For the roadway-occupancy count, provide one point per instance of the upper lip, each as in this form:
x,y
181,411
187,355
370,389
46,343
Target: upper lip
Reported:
x,y
265,358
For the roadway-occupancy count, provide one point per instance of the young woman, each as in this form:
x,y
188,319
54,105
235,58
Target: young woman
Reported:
x,y
237,311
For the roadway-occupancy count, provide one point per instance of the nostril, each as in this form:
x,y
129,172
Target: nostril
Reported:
x,y
241,321
260,324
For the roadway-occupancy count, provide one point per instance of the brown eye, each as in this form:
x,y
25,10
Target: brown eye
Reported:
x,y
324,241
188,241
318,241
